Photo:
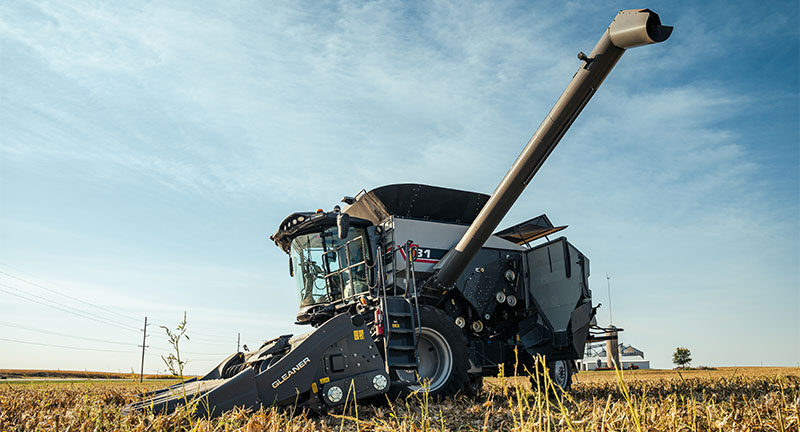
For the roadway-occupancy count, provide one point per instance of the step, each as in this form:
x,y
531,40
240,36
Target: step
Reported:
x,y
403,365
400,314
400,347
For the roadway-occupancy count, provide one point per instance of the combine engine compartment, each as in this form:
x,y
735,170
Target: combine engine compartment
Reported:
x,y
409,287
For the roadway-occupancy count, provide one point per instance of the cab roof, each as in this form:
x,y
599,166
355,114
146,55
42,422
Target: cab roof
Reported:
x,y
307,222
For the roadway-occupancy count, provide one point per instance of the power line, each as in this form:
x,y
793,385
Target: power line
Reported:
x,y
194,353
209,342
62,334
59,303
208,336
201,337
209,354
81,311
99,340
68,296
81,314
161,348
66,347
84,338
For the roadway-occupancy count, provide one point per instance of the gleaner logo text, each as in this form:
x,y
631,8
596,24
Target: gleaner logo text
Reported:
x,y
290,372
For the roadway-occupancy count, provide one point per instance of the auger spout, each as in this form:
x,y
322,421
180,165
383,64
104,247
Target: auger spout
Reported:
x,y
630,28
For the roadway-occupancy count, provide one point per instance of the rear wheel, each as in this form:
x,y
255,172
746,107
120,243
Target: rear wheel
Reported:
x,y
561,373
442,352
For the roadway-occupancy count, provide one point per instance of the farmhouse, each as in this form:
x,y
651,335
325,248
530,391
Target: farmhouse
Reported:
x,y
595,358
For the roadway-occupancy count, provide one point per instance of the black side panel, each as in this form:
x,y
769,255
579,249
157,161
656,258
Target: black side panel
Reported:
x,y
310,361
580,326
558,290
556,281
484,278
238,391
535,336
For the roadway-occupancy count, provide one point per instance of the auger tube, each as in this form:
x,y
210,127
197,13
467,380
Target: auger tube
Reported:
x,y
630,28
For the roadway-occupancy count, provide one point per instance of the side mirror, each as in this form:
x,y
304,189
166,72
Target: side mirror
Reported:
x,y
291,267
343,224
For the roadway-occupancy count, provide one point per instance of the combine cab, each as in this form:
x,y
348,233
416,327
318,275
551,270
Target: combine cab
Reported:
x,y
409,287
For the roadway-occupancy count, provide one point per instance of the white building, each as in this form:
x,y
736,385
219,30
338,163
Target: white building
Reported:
x,y
595,358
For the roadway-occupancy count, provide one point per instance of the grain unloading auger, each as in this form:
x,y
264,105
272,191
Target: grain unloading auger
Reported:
x,y
408,285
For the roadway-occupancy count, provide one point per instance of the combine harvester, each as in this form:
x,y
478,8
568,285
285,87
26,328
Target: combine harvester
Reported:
x,y
408,286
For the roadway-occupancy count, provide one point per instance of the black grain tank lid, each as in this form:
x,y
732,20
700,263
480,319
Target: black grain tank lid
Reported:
x,y
418,201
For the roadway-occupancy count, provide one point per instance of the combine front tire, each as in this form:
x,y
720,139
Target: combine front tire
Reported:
x,y
442,351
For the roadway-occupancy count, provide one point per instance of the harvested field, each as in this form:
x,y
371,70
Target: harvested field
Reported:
x,y
40,373
725,399
667,374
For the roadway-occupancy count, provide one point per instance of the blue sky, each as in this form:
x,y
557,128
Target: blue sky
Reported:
x,y
148,151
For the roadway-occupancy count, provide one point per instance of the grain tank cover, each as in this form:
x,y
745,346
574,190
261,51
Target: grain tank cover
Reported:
x,y
530,230
418,201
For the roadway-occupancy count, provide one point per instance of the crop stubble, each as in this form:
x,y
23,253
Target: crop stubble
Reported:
x,y
726,399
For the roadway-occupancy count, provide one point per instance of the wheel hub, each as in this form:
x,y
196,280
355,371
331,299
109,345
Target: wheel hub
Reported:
x,y
560,373
435,360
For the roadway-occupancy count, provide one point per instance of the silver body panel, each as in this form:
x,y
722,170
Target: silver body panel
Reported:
x,y
433,239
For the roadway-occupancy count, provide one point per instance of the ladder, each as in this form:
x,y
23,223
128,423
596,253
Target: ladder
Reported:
x,y
400,334
401,318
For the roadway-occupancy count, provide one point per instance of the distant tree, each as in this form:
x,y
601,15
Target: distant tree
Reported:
x,y
682,357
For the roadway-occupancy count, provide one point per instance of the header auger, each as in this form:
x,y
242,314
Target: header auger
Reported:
x,y
409,286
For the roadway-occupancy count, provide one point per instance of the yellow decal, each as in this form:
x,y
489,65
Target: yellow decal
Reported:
x,y
358,334
325,380
314,387
395,325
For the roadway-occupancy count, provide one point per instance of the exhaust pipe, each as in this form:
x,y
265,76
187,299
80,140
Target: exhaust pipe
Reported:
x,y
630,28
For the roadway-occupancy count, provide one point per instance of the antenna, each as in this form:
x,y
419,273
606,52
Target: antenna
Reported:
x,y
610,315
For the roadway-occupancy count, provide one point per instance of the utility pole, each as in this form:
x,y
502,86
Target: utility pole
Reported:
x,y
238,341
143,345
610,315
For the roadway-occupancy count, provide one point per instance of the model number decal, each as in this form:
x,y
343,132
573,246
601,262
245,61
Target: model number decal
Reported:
x,y
424,255
290,372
